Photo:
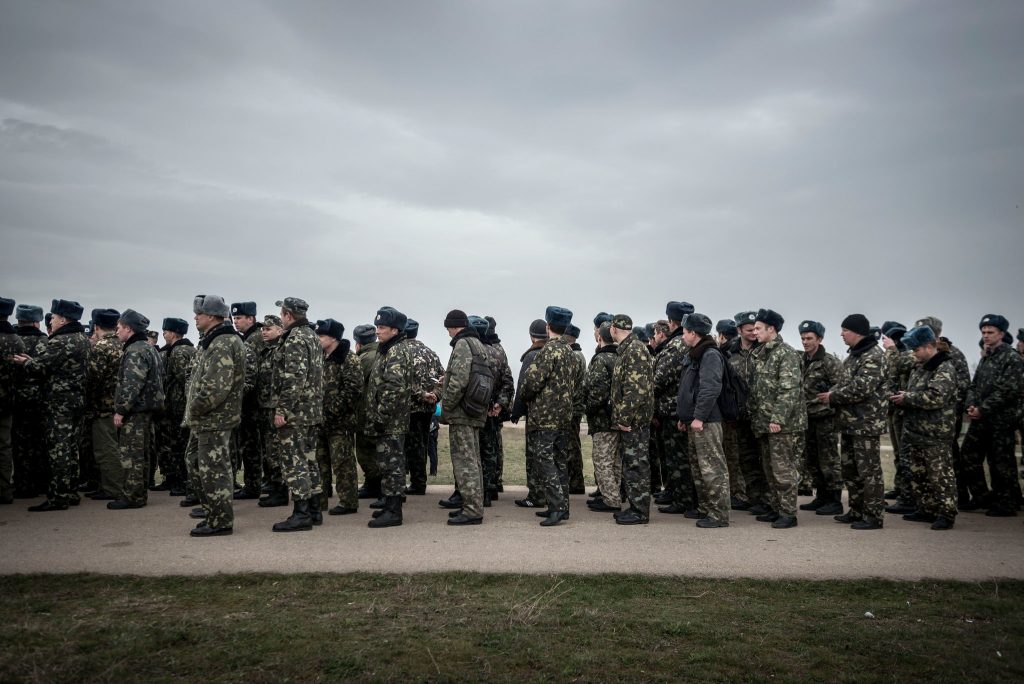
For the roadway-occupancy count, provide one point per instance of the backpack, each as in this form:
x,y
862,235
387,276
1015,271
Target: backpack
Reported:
x,y
732,401
476,402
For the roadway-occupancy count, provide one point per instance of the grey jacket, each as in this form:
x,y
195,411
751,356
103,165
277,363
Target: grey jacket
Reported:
x,y
701,384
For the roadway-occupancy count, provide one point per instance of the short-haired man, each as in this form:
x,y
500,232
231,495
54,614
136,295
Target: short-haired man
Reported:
x,y
821,372
31,466
335,447
249,435
274,488
365,337
745,462
427,369
575,461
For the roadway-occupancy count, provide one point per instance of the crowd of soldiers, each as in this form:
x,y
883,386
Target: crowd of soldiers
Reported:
x,y
701,420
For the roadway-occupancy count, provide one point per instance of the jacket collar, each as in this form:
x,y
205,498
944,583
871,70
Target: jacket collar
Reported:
x,y
68,329
862,346
137,337
936,361
210,335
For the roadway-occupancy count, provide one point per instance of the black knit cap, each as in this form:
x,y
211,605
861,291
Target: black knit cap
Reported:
x,y
456,318
769,317
176,325
539,329
857,323
994,320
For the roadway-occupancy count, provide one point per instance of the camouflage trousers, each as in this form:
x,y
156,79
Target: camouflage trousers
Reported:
x,y
208,460
900,457
780,457
552,471
107,452
500,446
464,441
366,456
748,455
391,464
490,453
132,439
416,449
730,444
996,444
151,454
675,461
862,472
659,474
607,466
634,450
273,468
575,456
251,448
296,449
63,437
534,485
6,455
821,455
88,473
933,484
710,472
336,457
31,463
172,440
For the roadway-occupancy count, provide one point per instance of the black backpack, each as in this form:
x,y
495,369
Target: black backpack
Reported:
x,y
476,402
732,401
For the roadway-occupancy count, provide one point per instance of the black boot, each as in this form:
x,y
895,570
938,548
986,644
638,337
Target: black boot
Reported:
x,y
391,515
454,501
317,503
298,521
278,496
370,489
834,505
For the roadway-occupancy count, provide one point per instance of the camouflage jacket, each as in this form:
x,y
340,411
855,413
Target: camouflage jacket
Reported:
x,y
427,369
632,395
343,386
367,356
519,407
504,386
254,344
860,399
668,370
389,389
10,344
822,372
177,366
140,382
898,365
465,346
548,385
963,370
29,388
579,399
265,375
996,388
63,363
217,380
298,378
598,389
777,394
742,361
930,402
104,367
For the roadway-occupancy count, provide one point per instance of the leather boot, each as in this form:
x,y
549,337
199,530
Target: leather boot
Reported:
x,y
834,505
370,489
298,521
391,514
317,504
278,496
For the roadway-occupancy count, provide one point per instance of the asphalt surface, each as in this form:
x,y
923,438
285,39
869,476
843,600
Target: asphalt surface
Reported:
x,y
154,541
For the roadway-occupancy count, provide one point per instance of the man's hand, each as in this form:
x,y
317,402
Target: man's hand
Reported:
x,y
118,420
429,397
623,428
279,421
20,358
887,342
681,426
774,428
495,410
897,398
973,413
823,397
697,425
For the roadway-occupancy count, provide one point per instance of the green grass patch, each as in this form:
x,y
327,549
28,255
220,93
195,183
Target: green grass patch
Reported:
x,y
467,627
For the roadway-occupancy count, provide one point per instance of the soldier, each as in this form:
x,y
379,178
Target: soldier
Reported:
x,y
365,337
747,456
929,404
727,339
632,401
699,415
274,488
575,462
63,364
335,448
501,403
599,319
31,465
993,405
388,405
535,490
249,434
10,344
726,330
659,471
778,417
821,372
428,370
299,391
671,441
213,409
103,369
598,393
140,393
899,364
178,353
860,415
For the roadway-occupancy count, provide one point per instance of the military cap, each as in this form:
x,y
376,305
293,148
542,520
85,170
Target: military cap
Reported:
x,y
558,316
134,320
1020,332
745,318
211,305
492,324
812,327
412,329
390,317
727,327
602,318
175,325
294,305
622,322
573,331
996,321
932,322
698,323
649,330
769,317
105,318
456,318
331,328
364,334
605,332
87,330
539,329
676,311
480,324
28,313
857,323
244,308
876,332
49,319
273,320
152,334
67,308
640,333
6,306
915,337
1007,337
889,325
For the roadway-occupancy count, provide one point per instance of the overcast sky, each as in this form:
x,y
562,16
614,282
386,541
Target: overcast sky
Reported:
x,y
818,158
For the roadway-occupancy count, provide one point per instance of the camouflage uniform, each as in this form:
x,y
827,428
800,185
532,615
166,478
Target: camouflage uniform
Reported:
x,y
672,442
899,364
929,417
366,445
343,386
249,435
963,381
490,435
574,463
388,405
777,397
140,392
745,464
535,489
63,363
463,429
31,465
822,372
426,368
598,393
632,401
548,386
10,344
172,436
860,401
996,392
273,471
103,369
213,409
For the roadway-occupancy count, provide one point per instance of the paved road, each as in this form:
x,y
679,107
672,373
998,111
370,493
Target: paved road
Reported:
x,y
154,541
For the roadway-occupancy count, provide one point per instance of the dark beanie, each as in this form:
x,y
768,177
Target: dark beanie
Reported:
x,y
176,325
698,323
857,323
676,311
996,321
456,318
365,334
412,329
480,324
727,327
602,317
134,320
769,317
390,317
539,329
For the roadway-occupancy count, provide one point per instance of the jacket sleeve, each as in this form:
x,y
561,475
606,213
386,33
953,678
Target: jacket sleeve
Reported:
x,y
711,371
859,386
213,388
456,379
134,370
789,397
626,410
1005,394
251,367
53,354
519,403
394,383
351,385
535,377
597,387
293,369
941,387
